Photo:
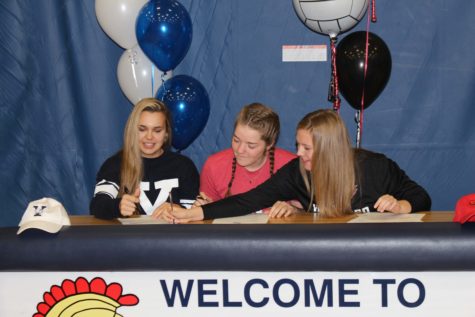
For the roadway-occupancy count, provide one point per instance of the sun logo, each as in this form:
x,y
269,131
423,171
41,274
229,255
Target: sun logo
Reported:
x,y
84,299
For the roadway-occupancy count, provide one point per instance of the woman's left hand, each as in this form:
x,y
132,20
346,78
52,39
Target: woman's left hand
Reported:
x,y
177,214
282,209
390,203
202,199
161,211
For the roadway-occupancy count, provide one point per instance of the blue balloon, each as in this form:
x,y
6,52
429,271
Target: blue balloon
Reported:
x,y
188,102
164,32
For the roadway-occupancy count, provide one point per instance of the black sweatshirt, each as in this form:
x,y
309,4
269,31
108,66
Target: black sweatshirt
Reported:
x,y
168,172
376,175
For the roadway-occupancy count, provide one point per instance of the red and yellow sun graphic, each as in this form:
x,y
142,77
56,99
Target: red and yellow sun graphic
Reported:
x,y
83,299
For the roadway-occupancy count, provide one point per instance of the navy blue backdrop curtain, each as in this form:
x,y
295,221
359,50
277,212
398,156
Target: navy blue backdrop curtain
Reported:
x,y
62,111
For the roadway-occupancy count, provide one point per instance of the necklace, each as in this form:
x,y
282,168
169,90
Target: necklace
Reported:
x,y
251,177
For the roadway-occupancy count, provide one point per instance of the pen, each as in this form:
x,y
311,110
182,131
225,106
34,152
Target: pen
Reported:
x,y
138,207
206,199
171,202
170,199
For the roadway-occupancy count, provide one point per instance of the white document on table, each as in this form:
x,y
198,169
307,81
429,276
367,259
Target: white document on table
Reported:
x,y
386,217
142,220
253,218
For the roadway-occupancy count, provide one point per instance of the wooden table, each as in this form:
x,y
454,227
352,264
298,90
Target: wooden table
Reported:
x,y
302,218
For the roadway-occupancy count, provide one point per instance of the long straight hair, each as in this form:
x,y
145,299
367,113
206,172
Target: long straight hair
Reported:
x,y
332,178
131,170
263,119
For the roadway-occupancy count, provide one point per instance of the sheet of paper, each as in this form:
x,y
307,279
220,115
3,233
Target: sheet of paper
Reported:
x,y
142,220
253,218
386,217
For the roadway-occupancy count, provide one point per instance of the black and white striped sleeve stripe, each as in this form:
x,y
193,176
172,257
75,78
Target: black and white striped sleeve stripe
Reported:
x,y
105,187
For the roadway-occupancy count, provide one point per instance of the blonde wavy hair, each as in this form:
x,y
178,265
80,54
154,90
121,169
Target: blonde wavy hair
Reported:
x,y
131,170
332,178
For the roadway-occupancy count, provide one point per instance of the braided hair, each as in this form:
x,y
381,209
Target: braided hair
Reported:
x,y
263,119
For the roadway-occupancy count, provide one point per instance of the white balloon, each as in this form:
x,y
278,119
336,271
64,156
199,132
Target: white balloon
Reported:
x,y
330,17
117,19
136,75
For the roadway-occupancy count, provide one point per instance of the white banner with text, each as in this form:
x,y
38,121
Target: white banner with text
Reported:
x,y
217,294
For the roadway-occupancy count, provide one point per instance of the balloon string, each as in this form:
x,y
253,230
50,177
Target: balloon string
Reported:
x,y
335,87
358,128
153,78
361,112
373,11
163,85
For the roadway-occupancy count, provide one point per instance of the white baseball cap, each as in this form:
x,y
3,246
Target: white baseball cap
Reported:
x,y
45,214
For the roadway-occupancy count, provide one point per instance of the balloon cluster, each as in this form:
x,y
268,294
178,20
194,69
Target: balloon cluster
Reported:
x,y
361,63
331,18
156,35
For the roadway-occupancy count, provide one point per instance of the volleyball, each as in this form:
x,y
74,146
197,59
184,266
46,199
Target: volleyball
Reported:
x,y
330,17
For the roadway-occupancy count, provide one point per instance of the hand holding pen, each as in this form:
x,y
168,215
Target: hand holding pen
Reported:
x,y
202,199
130,203
166,207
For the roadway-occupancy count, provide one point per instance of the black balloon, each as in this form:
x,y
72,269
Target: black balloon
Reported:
x,y
350,60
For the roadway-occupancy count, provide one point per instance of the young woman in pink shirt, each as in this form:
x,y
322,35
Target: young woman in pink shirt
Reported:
x,y
251,160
